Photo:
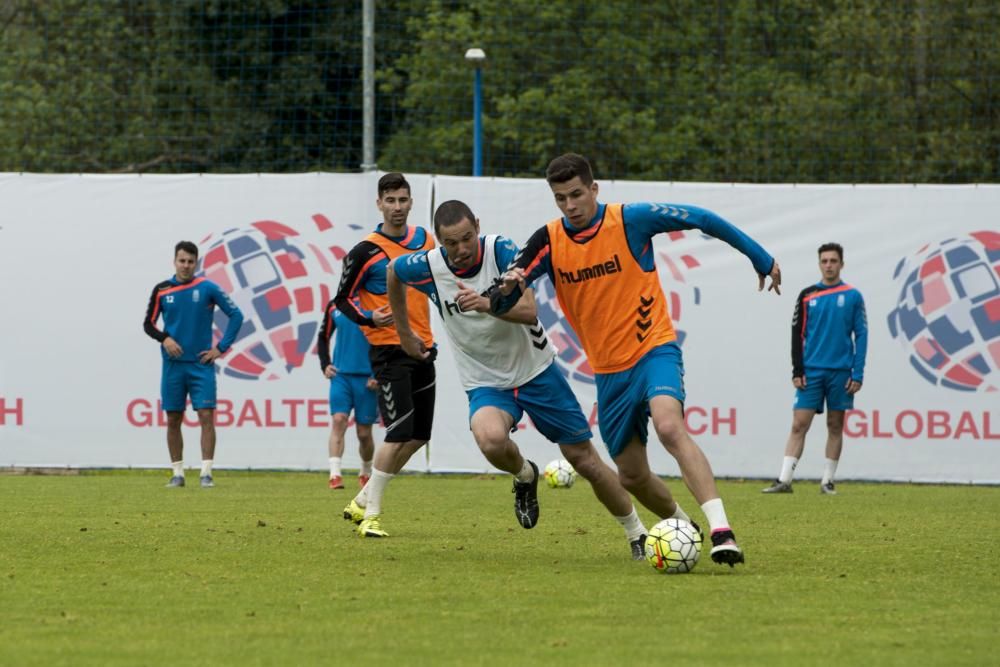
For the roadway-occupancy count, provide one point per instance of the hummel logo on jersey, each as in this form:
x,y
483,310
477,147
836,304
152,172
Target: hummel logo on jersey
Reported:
x,y
452,308
613,265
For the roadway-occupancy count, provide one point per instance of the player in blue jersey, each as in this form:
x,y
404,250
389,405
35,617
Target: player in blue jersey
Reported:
x,y
600,259
352,387
506,364
829,344
187,305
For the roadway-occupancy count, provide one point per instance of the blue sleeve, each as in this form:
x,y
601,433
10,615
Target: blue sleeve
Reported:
x,y
505,250
235,315
414,270
644,220
860,340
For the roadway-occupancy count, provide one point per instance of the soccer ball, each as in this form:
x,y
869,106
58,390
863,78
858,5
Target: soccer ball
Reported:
x,y
673,546
559,474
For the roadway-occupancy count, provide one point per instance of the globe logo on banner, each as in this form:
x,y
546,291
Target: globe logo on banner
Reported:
x,y
280,279
570,358
947,316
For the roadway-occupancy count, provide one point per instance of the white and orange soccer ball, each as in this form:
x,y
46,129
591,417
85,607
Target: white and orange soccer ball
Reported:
x,y
673,546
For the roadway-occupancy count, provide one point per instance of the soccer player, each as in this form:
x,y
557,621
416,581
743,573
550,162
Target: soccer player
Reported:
x,y
506,364
187,305
829,344
600,260
352,387
406,385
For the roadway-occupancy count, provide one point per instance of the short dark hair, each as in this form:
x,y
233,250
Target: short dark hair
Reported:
x,y
451,213
186,246
567,166
392,181
836,247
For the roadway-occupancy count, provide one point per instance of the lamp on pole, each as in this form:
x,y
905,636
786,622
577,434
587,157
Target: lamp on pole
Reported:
x,y
476,58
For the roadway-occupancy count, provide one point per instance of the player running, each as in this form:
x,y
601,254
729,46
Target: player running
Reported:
x,y
505,364
600,260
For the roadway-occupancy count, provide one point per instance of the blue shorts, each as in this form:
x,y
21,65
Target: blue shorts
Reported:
x,y
824,383
549,402
181,379
349,391
623,397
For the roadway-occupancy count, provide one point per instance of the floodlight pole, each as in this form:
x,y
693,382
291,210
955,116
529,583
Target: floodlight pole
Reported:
x,y
368,86
476,58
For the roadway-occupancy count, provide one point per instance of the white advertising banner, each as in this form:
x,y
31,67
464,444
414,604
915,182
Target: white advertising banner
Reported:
x,y
79,256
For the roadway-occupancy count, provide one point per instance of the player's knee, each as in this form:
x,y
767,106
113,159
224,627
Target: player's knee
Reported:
x,y
584,460
633,480
340,421
670,432
175,419
489,437
206,418
800,426
835,421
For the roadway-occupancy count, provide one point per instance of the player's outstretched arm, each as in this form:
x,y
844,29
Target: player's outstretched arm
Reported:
x,y
409,341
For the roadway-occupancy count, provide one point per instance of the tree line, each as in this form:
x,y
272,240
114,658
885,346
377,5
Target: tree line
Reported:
x,y
683,90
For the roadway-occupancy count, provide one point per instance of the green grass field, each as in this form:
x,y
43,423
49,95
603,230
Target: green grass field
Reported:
x,y
112,568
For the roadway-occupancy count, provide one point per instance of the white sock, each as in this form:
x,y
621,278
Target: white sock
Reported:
x,y
178,467
830,471
334,466
632,525
206,467
787,469
374,489
366,468
680,514
527,473
716,515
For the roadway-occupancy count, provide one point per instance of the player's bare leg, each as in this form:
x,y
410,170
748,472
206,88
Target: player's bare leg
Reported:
x,y
335,448
801,421
609,490
637,478
668,422
491,428
206,418
834,446
175,445
366,450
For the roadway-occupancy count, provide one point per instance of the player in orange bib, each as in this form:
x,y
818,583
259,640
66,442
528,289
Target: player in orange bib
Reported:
x,y
600,260
406,385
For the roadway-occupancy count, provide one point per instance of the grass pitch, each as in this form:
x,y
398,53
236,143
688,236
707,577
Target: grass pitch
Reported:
x,y
112,568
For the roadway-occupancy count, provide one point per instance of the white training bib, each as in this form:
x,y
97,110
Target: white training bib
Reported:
x,y
489,352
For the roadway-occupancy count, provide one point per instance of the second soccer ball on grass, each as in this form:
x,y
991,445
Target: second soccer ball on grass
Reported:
x,y
559,474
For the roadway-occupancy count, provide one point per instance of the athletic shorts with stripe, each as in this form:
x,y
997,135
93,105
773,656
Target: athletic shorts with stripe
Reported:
x,y
623,397
549,402
405,392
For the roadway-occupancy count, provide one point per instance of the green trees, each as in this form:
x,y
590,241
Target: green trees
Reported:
x,y
730,90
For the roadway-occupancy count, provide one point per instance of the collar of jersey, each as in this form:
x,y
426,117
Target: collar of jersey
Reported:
x,y
573,232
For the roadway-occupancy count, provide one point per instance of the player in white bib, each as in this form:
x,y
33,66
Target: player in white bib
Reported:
x,y
506,364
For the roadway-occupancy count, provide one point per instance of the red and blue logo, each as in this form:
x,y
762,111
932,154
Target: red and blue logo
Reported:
x,y
947,314
281,279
